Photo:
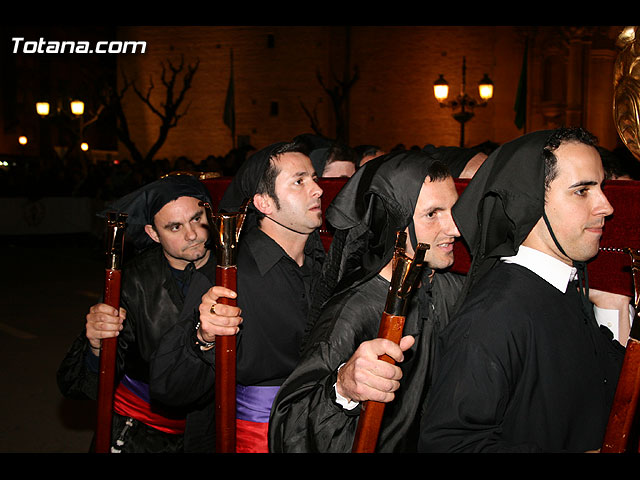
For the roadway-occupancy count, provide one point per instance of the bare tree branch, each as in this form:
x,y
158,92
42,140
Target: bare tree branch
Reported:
x,y
339,96
313,117
167,111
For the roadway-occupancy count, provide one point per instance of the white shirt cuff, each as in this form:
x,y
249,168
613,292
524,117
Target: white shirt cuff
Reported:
x,y
342,401
609,318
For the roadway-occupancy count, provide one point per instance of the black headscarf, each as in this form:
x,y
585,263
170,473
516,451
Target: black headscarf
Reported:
x,y
142,204
245,182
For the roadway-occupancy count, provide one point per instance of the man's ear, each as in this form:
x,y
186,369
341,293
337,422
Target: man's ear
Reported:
x,y
152,233
264,203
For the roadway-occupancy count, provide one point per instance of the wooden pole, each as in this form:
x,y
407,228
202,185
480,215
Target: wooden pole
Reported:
x,y
106,379
404,278
226,228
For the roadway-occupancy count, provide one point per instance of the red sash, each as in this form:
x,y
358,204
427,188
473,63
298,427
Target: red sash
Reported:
x,y
251,437
127,404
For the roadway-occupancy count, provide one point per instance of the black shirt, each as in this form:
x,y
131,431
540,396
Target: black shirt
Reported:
x,y
274,294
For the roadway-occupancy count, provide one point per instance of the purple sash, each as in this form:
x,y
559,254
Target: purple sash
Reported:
x,y
140,389
254,403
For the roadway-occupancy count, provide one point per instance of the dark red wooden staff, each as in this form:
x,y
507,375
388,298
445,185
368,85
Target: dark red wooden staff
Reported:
x,y
404,276
225,228
116,224
625,402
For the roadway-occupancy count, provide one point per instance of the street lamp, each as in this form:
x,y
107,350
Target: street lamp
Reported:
x,y
77,107
463,102
42,108
69,120
485,88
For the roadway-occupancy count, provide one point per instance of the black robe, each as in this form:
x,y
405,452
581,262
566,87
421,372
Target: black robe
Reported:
x,y
522,369
154,303
305,416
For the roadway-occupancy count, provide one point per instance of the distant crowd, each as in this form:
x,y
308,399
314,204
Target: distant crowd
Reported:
x,y
110,180
103,180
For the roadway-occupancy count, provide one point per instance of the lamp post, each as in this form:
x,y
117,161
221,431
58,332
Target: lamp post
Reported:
x,y
463,104
76,107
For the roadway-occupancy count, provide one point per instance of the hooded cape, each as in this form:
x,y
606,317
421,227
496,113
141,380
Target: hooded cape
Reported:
x,y
503,202
376,203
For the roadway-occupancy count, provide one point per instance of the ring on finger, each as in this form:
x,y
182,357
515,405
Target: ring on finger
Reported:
x,y
212,310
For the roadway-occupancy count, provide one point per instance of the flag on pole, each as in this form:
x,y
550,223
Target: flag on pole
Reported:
x,y
520,106
229,115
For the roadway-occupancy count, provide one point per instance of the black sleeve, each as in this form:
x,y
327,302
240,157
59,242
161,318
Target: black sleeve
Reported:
x,y
181,374
305,416
77,374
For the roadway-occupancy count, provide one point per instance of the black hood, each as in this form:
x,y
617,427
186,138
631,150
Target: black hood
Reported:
x,y
378,201
503,201
456,158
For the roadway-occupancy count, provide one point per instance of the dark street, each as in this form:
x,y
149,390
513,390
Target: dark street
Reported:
x,y
47,287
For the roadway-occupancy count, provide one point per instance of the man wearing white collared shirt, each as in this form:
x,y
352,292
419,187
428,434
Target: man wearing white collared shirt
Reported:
x,y
524,365
612,311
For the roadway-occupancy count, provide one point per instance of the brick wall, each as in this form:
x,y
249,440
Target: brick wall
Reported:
x,y
392,102
285,74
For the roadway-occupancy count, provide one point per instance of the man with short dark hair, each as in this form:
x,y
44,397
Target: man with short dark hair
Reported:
x,y
278,263
160,286
524,365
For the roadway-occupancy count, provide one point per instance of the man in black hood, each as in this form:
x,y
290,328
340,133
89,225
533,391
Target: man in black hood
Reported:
x,y
524,365
160,286
317,408
279,258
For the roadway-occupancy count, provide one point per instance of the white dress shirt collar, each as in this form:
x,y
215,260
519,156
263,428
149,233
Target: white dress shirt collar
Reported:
x,y
554,271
